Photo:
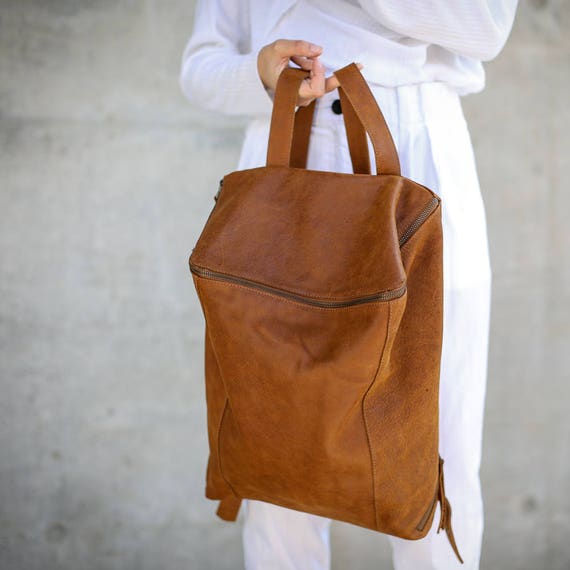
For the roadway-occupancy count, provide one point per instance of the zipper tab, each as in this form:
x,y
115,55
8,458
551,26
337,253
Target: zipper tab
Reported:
x,y
445,512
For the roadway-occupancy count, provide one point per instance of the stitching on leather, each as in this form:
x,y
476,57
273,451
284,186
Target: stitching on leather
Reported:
x,y
218,437
299,304
328,173
246,171
373,462
227,397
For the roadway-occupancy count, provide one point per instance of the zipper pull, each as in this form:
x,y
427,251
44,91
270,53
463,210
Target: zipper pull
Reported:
x,y
445,519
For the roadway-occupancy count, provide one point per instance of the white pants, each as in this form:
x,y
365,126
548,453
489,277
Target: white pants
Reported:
x,y
433,142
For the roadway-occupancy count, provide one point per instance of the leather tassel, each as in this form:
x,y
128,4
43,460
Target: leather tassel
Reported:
x,y
445,519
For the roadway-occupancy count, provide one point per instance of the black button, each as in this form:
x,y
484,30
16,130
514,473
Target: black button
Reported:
x,y
336,107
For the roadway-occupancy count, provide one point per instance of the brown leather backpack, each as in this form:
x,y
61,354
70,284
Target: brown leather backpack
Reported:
x,y
322,294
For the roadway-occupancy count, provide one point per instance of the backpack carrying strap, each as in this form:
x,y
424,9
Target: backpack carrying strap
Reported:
x,y
366,108
289,131
302,134
356,135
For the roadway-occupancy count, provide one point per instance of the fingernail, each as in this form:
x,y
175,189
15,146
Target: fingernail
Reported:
x,y
315,48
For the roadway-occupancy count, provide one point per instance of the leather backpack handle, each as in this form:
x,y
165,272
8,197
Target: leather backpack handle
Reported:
x,y
356,135
283,116
302,134
289,131
278,151
366,108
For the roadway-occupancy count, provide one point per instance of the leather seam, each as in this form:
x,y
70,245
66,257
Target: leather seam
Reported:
x,y
373,462
225,390
218,437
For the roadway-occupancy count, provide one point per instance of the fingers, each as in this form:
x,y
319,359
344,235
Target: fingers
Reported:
x,y
306,56
302,62
332,82
289,48
314,85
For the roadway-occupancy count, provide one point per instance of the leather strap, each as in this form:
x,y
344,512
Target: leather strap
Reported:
x,y
302,135
290,132
356,135
283,116
303,121
366,107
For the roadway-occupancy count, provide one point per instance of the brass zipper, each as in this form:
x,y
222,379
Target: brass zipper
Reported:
x,y
419,220
382,296
427,514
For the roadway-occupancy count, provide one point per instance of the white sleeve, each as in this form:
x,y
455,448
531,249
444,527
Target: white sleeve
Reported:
x,y
217,71
470,28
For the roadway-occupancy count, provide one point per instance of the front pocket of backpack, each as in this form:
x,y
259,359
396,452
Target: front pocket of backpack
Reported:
x,y
295,375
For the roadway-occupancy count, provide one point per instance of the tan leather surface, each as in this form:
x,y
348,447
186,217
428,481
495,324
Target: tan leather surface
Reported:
x,y
315,406
301,135
353,84
356,134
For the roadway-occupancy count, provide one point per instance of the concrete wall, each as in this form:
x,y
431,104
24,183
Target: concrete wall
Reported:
x,y
107,178
520,128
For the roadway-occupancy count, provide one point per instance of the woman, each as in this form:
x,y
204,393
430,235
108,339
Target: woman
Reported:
x,y
418,57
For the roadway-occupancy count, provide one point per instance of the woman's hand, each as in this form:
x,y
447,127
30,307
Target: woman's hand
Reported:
x,y
274,57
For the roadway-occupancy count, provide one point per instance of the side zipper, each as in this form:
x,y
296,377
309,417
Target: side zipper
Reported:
x,y
419,220
423,521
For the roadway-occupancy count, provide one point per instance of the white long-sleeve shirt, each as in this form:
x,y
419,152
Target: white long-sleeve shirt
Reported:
x,y
398,41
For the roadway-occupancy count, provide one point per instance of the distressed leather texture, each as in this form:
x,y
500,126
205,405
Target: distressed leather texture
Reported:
x,y
322,294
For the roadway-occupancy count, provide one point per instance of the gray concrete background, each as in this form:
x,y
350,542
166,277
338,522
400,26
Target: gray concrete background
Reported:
x,y
107,178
